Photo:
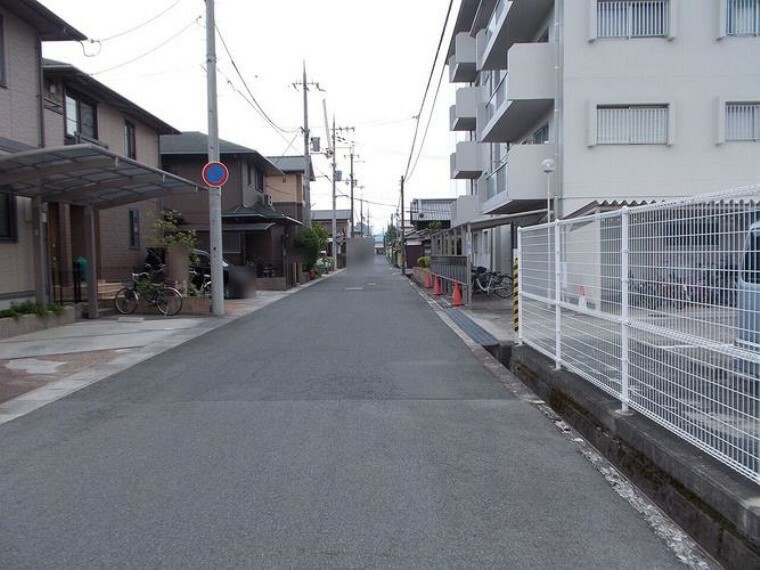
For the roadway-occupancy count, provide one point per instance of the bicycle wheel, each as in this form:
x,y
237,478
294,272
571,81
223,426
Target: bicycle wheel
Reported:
x,y
168,301
501,291
125,301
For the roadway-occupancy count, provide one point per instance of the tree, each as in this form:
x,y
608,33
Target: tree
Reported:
x,y
313,240
391,235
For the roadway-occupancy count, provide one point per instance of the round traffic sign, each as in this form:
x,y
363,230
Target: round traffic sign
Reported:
x,y
215,174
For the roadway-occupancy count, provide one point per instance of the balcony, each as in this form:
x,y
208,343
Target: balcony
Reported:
x,y
467,161
462,63
520,183
512,22
524,96
464,113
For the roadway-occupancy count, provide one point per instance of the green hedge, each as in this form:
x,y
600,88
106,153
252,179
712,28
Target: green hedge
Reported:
x,y
31,308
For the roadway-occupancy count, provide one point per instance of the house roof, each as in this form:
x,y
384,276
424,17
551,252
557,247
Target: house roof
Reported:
x,y
432,210
291,164
327,215
87,175
50,27
196,143
85,84
257,213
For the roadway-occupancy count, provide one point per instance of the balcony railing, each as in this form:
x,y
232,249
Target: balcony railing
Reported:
x,y
499,9
497,180
498,98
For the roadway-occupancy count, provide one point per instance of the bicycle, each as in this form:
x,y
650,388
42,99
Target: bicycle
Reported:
x,y
167,300
493,283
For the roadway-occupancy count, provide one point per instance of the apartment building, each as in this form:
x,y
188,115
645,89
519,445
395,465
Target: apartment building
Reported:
x,y
588,103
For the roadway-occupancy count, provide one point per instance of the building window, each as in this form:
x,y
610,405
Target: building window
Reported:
x,y
81,117
259,180
632,18
743,121
7,216
130,141
539,136
134,229
634,124
743,18
3,73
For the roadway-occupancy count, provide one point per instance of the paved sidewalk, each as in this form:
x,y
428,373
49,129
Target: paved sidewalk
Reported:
x,y
44,366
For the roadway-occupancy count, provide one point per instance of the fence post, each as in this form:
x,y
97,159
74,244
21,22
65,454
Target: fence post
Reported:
x,y
625,327
519,299
557,298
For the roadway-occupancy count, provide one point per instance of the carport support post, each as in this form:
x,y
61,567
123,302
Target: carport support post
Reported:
x,y
625,327
41,274
92,265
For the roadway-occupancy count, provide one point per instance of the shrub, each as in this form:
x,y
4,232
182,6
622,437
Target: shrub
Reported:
x,y
31,308
423,262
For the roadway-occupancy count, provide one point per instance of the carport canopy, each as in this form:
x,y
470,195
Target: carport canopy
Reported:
x,y
86,175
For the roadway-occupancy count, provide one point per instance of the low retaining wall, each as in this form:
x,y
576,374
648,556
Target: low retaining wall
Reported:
x,y
192,305
718,507
32,323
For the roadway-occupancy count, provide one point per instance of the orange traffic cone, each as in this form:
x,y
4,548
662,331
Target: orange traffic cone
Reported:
x,y
437,287
428,280
456,299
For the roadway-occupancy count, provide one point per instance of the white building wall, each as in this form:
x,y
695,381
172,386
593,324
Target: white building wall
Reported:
x,y
692,72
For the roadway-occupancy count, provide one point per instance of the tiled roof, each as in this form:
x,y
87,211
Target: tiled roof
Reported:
x,y
423,210
326,215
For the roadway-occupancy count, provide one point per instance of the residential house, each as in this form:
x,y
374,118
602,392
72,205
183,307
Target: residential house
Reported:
x,y
287,190
64,165
253,232
324,218
80,109
24,25
428,216
561,110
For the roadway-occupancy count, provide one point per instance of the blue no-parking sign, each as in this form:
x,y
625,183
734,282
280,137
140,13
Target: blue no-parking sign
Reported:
x,y
215,174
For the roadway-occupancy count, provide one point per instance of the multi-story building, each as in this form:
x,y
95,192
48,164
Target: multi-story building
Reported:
x,y
585,103
287,190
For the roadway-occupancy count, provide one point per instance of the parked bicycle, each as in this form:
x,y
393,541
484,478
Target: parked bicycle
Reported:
x,y
491,282
150,286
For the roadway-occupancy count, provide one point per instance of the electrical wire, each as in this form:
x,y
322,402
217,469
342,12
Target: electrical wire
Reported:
x,y
427,87
162,44
255,103
427,126
138,26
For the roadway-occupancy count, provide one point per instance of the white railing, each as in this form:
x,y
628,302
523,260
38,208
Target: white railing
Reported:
x,y
493,21
658,306
497,180
632,18
743,18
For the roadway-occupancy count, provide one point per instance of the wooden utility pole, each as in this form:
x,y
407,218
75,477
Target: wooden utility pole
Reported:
x,y
403,223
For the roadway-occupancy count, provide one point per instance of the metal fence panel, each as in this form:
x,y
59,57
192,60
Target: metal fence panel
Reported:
x,y
659,306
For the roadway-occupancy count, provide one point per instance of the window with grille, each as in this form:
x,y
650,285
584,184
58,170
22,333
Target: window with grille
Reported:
x,y
743,18
130,140
743,121
134,229
3,80
632,18
632,124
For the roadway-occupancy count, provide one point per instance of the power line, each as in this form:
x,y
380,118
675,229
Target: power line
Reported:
x,y
245,84
162,44
427,87
137,27
427,126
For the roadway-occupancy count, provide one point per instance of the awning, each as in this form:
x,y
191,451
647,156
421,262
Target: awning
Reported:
x,y
257,213
86,175
258,227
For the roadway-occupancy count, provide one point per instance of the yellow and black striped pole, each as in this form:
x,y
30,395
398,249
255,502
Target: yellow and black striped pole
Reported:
x,y
515,295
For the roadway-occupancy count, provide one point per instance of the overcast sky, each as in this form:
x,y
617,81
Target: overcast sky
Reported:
x,y
372,59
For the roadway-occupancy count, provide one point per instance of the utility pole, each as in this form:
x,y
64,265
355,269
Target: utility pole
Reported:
x,y
361,216
352,191
334,199
403,241
214,193
306,144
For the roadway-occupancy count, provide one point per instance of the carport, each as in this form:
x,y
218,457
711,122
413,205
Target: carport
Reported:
x,y
85,175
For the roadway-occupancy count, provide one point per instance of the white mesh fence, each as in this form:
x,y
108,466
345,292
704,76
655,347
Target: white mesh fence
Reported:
x,y
659,306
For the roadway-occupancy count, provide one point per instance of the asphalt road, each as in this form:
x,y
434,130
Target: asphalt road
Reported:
x,y
345,426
